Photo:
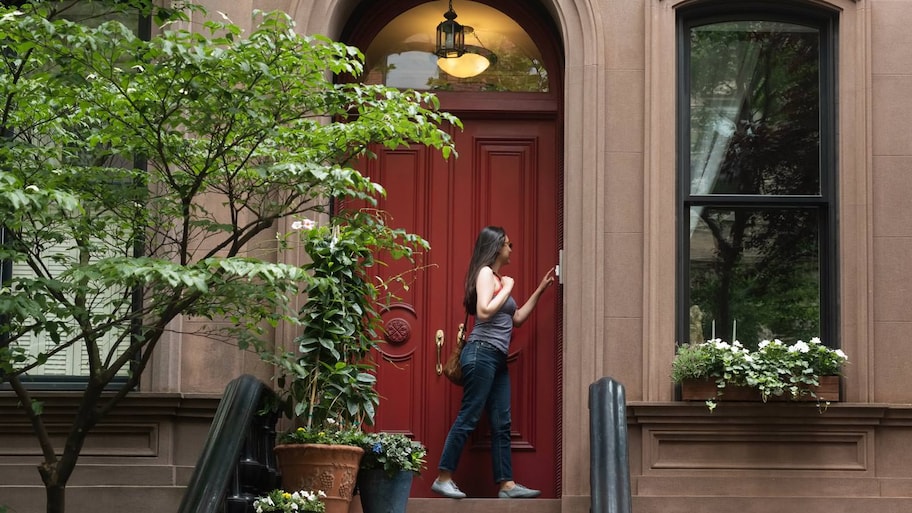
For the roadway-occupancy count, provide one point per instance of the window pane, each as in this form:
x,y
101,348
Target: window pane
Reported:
x,y
112,303
754,274
93,14
754,109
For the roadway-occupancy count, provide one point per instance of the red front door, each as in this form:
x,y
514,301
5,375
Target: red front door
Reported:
x,y
506,174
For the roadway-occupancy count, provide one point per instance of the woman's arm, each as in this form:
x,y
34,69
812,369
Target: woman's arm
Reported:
x,y
523,313
489,299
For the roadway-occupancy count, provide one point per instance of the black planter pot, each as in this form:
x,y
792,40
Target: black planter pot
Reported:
x,y
382,493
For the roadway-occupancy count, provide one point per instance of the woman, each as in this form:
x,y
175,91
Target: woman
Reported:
x,y
484,363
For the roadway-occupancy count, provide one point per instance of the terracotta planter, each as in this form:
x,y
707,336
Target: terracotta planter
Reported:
x,y
704,389
330,468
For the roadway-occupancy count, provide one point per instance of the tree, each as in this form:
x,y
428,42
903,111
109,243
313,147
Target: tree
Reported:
x,y
138,180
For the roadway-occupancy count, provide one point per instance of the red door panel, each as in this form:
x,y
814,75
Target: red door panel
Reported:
x,y
506,174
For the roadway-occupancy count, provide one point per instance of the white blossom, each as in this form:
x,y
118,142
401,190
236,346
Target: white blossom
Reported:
x,y
800,347
10,16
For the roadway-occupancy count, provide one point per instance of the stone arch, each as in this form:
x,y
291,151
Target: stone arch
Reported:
x,y
581,28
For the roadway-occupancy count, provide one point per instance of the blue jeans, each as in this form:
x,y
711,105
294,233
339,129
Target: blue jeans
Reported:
x,y
486,386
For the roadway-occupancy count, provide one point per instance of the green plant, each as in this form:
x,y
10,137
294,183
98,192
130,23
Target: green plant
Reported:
x,y
392,452
330,436
774,369
280,500
328,383
142,180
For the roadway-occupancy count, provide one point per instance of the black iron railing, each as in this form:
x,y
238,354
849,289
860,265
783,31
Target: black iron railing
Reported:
x,y
237,463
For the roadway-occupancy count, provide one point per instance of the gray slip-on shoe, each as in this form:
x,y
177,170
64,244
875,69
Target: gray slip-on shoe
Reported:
x,y
518,492
447,489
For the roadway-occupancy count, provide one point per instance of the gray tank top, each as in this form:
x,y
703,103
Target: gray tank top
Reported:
x,y
498,330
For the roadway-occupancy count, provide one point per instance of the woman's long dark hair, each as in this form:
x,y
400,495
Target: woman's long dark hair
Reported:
x,y
488,244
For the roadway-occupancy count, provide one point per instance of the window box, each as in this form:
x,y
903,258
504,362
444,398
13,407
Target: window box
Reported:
x,y
704,389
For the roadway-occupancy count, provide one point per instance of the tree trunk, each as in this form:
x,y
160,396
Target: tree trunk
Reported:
x,y
54,493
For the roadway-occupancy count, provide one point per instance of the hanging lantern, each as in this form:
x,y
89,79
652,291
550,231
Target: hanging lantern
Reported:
x,y
450,36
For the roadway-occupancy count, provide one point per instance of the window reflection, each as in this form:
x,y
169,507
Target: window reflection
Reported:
x,y
407,70
754,108
755,274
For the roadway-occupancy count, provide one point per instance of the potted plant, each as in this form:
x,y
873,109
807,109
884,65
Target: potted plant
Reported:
x,y
282,501
715,369
390,462
327,386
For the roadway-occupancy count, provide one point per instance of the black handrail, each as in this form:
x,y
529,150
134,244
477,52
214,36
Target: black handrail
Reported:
x,y
237,462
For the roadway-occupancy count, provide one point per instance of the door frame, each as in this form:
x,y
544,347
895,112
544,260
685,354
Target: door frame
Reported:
x,y
364,23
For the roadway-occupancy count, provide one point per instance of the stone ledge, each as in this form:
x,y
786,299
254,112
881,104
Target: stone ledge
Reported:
x,y
771,504
689,412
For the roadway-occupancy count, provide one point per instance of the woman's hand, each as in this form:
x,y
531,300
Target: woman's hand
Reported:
x,y
548,280
525,310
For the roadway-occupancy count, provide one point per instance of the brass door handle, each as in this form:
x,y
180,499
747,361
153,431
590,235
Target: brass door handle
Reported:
x,y
439,341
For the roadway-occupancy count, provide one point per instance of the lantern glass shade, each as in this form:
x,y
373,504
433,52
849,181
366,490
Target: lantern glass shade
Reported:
x,y
450,38
468,65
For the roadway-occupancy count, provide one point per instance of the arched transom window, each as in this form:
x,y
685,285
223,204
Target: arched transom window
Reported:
x,y
403,52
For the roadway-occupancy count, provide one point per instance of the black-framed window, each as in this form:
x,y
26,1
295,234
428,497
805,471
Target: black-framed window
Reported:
x,y
69,369
756,168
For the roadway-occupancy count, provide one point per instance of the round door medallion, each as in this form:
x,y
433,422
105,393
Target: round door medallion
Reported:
x,y
398,331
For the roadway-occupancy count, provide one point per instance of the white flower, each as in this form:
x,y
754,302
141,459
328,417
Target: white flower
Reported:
x,y
842,355
800,347
763,343
304,224
31,188
10,16
815,340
